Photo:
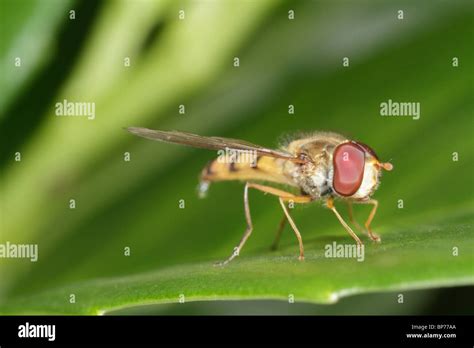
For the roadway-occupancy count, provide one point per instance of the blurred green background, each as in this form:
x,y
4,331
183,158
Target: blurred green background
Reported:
x,y
190,61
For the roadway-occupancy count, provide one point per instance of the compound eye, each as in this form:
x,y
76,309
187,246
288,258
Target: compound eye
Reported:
x,y
368,149
349,162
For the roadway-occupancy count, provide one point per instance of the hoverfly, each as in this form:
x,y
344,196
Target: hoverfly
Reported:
x,y
322,166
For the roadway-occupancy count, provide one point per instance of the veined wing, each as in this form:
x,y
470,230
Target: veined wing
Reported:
x,y
210,143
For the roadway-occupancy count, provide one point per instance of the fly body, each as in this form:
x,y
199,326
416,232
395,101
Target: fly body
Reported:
x,y
322,166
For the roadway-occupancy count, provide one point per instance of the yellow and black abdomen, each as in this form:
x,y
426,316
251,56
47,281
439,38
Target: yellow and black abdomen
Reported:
x,y
263,169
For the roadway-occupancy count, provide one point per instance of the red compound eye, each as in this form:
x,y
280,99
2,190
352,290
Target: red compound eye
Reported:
x,y
367,149
349,162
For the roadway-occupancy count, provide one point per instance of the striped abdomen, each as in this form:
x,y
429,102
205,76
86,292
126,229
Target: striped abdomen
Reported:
x,y
264,169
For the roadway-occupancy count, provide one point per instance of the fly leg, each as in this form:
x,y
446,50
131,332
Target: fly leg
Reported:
x,y
295,229
248,230
330,205
283,196
375,237
281,227
350,212
368,231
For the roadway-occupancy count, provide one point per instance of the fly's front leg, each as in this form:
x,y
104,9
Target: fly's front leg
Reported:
x,y
375,237
330,205
368,231
350,212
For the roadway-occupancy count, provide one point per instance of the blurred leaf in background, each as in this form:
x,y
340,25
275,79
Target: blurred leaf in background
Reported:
x,y
19,47
182,53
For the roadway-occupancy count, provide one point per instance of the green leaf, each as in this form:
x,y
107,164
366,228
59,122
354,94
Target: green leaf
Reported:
x,y
28,29
135,204
410,258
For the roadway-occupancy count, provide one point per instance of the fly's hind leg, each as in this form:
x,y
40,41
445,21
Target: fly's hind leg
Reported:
x,y
283,196
247,232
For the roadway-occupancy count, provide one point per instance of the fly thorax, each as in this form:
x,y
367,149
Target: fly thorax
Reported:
x,y
313,180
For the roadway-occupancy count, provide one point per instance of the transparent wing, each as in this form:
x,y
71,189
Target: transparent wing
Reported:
x,y
211,143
